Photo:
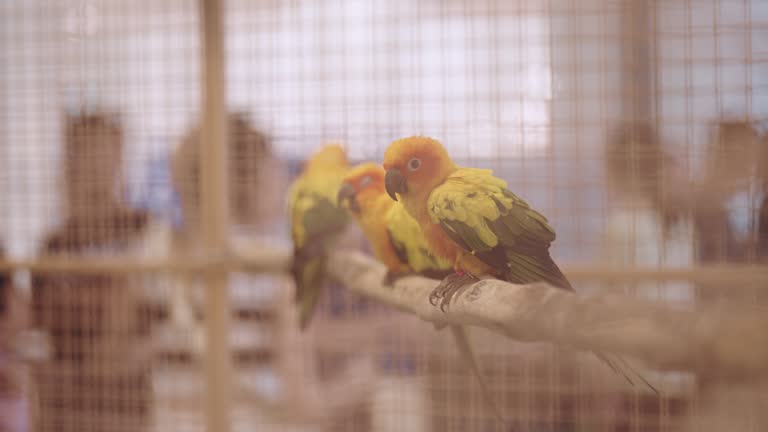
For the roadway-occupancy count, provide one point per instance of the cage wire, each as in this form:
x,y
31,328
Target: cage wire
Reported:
x,y
636,127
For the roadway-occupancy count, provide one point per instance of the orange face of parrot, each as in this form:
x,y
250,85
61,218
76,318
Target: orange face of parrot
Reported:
x,y
363,183
415,165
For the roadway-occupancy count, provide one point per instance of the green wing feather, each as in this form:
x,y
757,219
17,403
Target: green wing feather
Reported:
x,y
477,211
317,224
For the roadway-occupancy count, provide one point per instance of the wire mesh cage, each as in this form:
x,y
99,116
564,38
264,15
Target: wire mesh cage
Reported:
x,y
148,149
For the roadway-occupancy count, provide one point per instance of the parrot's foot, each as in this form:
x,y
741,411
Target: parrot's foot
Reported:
x,y
450,287
391,277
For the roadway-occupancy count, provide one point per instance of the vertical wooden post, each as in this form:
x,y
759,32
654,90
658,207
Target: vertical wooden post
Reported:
x,y
214,217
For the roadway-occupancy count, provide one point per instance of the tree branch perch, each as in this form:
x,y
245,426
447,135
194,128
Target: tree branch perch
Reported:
x,y
716,340
713,340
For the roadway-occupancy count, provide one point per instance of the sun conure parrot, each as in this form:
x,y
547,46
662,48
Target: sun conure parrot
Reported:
x,y
469,217
316,223
397,241
394,235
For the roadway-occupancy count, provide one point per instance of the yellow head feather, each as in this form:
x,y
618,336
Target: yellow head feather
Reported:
x,y
330,156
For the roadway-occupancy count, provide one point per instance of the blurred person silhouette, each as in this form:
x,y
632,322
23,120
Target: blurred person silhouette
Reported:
x,y
646,226
264,314
727,212
761,228
98,374
13,320
255,175
731,215
722,205
761,238
730,206
255,181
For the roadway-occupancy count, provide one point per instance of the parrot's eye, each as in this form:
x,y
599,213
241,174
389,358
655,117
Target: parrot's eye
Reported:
x,y
365,181
414,164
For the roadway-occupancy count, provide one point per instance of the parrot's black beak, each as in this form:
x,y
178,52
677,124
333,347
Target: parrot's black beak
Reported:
x,y
395,183
348,193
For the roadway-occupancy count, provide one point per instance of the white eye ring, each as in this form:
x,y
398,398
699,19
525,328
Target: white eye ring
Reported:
x,y
414,164
365,181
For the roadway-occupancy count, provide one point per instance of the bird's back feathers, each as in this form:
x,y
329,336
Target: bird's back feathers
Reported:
x,y
478,212
316,224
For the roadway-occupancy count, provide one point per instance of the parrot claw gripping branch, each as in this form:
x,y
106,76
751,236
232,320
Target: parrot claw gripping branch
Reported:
x,y
450,287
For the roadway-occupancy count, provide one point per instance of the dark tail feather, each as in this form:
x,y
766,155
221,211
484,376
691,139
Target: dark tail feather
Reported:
x,y
296,271
526,269
556,276
465,350
308,273
625,370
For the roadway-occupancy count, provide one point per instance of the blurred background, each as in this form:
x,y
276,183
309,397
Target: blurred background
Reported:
x,y
636,127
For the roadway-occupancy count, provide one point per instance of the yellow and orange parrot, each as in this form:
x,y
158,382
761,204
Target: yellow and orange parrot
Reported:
x,y
470,218
397,241
394,235
316,223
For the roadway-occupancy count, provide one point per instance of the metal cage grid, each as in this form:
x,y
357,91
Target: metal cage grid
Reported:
x,y
136,240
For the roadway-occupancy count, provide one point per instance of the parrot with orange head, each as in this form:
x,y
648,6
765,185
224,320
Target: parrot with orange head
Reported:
x,y
397,241
316,223
394,235
469,217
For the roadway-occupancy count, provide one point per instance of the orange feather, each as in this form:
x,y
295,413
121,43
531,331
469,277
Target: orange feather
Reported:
x,y
374,204
436,166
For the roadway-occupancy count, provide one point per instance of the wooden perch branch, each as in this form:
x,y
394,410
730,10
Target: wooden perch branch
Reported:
x,y
716,341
